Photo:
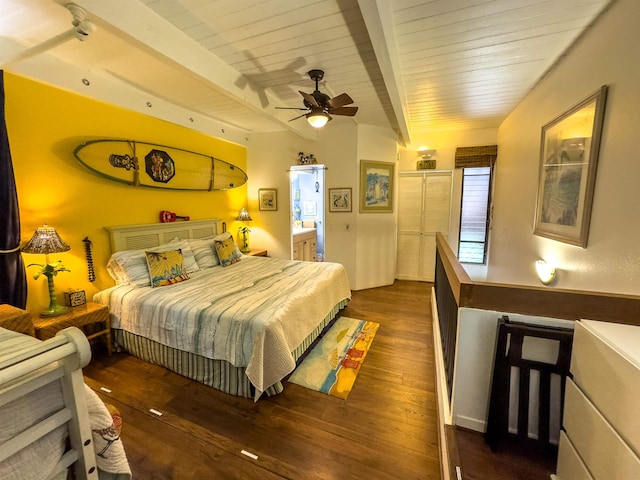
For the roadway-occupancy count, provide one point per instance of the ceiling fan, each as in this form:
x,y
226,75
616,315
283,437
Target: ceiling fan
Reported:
x,y
319,106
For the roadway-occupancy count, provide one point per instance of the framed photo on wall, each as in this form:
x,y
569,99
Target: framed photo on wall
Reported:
x,y
268,199
340,199
310,208
376,186
568,162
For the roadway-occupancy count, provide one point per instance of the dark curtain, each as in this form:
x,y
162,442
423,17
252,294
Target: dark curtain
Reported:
x,y
13,281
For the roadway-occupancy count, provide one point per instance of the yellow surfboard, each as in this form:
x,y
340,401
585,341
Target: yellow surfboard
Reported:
x,y
157,166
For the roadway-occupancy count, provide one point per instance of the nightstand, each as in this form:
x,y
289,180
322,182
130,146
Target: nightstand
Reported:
x,y
258,253
16,319
80,316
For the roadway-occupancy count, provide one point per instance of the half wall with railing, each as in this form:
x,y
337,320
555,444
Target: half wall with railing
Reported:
x,y
466,313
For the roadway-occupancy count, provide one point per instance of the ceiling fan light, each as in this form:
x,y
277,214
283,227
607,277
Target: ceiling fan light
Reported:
x,y
317,119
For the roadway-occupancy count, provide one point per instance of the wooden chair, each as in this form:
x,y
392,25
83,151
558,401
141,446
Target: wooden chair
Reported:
x,y
508,354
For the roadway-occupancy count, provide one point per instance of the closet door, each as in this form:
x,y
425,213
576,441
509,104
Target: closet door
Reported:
x,y
410,200
436,218
424,208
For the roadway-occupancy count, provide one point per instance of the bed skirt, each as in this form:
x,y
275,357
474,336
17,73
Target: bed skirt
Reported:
x,y
218,374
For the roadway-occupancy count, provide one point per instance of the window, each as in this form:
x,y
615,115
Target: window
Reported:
x,y
474,215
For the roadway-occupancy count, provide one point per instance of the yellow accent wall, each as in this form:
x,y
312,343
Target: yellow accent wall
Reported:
x,y
45,124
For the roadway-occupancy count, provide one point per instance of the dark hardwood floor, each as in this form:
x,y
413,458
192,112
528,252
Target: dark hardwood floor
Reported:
x,y
386,429
509,462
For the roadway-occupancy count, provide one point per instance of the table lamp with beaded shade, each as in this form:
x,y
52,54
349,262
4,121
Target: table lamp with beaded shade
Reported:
x,y
46,240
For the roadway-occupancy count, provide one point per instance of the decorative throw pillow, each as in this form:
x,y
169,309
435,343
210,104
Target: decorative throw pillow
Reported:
x,y
130,267
227,250
166,268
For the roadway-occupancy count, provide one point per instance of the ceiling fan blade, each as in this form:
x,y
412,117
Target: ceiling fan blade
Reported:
x,y
346,111
339,101
309,98
291,108
299,116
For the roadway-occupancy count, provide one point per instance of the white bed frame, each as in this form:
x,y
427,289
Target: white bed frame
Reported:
x,y
135,237
23,373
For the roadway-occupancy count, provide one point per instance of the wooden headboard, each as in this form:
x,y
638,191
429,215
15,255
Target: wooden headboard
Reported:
x,y
134,237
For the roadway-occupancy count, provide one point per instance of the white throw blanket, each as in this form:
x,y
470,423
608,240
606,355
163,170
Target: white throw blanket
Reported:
x,y
38,460
105,429
252,314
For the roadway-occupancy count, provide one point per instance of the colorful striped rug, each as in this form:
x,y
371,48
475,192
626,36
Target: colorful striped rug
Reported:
x,y
333,364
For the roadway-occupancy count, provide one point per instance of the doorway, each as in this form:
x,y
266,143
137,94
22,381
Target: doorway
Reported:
x,y
307,212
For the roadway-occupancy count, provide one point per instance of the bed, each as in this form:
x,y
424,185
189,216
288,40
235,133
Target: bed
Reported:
x,y
51,421
237,326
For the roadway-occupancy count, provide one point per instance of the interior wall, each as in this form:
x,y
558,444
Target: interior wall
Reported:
x,y
445,144
339,152
604,55
376,232
269,157
363,243
45,124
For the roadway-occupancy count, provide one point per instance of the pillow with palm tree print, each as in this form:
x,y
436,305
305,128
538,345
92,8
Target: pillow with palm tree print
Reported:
x,y
166,268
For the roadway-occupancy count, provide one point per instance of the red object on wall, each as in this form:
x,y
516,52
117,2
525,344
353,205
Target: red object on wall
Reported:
x,y
167,217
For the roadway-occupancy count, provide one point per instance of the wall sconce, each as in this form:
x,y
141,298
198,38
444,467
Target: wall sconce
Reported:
x,y
546,272
244,216
46,240
426,162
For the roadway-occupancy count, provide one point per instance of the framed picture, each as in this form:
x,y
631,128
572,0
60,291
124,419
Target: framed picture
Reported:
x,y
376,186
568,162
309,208
268,199
339,199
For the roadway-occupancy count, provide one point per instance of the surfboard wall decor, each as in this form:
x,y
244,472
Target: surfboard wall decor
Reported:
x,y
158,166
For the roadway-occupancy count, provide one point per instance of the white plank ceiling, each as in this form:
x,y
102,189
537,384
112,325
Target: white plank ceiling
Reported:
x,y
410,65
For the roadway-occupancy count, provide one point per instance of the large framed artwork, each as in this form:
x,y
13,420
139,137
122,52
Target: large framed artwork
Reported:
x,y
268,199
568,163
376,186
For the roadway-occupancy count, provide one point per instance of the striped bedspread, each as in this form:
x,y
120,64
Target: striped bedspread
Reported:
x,y
252,314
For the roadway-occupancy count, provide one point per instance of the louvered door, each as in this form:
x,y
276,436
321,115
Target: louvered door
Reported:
x,y
424,208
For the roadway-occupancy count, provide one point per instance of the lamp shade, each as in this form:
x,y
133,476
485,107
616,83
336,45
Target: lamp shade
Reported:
x,y
244,216
45,240
317,118
546,272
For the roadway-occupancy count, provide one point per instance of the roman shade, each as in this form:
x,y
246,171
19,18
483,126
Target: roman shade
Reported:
x,y
473,157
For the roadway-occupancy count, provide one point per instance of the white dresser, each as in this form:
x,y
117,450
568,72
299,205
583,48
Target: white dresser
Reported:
x,y
601,437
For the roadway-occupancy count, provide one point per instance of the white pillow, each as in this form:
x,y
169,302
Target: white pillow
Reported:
x,y
130,267
204,252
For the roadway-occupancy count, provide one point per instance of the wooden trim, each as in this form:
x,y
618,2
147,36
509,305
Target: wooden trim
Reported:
x,y
454,452
539,301
458,278
556,303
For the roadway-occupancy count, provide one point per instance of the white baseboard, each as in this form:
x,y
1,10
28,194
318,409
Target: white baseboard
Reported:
x,y
474,424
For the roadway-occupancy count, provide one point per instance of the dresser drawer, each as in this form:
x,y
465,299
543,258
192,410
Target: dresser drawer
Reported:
x,y
602,450
606,366
570,465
